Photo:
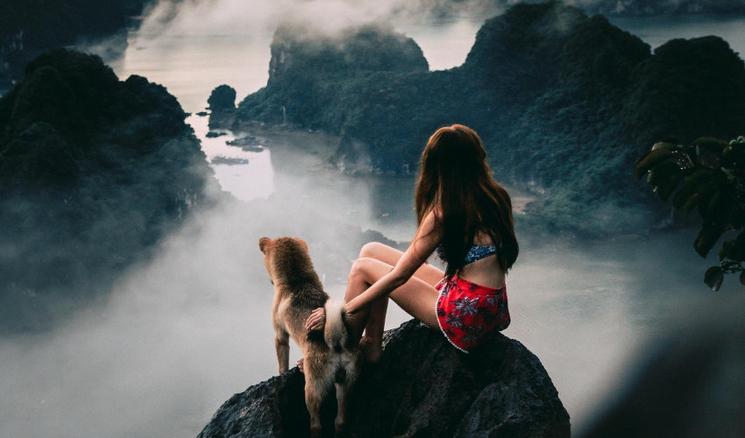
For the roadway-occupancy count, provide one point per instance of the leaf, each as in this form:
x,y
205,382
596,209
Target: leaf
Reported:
x,y
707,238
714,277
722,211
667,187
652,159
707,191
691,185
737,251
692,201
726,250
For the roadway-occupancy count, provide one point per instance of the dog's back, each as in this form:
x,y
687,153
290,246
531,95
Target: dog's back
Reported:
x,y
297,288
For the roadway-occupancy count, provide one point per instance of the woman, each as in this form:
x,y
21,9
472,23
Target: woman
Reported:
x,y
464,215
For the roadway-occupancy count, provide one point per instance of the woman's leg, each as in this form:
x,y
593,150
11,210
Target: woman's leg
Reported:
x,y
376,318
416,296
375,315
388,254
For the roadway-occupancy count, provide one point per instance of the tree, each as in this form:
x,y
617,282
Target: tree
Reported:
x,y
708,175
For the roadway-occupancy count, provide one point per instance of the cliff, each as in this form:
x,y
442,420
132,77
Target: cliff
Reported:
x,y
422,387
564,102
93,172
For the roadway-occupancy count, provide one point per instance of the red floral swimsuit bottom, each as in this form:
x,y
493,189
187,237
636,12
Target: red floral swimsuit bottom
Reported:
x,y
466,311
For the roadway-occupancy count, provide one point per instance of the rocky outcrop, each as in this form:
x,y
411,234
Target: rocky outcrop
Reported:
x,y
310,70
94,171
222,106
222,98
422,387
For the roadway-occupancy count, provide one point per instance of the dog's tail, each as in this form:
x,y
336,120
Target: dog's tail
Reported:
x,y
336,330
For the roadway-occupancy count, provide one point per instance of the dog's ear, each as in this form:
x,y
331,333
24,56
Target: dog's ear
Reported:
x,y
264,243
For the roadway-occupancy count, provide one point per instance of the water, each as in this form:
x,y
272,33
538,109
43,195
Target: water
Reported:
x,y
183,333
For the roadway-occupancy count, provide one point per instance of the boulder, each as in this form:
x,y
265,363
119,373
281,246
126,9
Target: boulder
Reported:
x,y
422,387
222,98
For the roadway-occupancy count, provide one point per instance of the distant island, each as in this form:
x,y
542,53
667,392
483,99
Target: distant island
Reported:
x,y
94,171
565,103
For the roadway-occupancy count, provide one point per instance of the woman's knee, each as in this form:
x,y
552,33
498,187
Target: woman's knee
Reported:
x,y
362,268
373,250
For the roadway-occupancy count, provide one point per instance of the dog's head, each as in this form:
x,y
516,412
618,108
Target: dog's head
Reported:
x,y
286,258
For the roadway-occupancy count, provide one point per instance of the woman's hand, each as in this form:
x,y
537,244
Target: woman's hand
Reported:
x,y
316,320
349,308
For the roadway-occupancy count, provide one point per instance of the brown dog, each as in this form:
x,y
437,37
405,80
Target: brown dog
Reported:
x,y
329,358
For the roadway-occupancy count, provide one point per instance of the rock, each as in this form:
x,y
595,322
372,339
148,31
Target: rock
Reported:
x,y
423,386
222,99
94,172
203,114
248,143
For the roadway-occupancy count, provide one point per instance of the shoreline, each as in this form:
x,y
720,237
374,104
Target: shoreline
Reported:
x,y
320,144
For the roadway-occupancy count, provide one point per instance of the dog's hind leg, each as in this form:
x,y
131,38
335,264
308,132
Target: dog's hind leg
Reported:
x,y
313,398
282,345
341,416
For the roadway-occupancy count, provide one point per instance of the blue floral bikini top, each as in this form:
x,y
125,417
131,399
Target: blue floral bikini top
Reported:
x,y
476,252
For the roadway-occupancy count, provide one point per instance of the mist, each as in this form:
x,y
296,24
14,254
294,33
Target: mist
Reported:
x,y
178,334
225,42
190,326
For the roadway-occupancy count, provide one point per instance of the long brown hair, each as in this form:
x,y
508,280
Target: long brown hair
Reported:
x,y
456,181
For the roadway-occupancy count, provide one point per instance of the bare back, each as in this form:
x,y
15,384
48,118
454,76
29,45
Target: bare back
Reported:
x,y
487,271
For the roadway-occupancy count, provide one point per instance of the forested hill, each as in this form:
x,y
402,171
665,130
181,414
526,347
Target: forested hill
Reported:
x,y
93,172
29,27
565,103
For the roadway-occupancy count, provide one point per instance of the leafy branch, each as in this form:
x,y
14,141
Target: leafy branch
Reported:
x,y
709,176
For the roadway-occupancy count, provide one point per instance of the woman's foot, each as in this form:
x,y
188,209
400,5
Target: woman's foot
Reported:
x,y
371,348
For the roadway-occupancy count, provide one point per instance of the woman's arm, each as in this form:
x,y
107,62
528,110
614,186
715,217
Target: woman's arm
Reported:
x,y
425,241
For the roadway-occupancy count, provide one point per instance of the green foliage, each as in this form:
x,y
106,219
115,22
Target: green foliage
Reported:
x,y
222,98
563,101
707,176
93,172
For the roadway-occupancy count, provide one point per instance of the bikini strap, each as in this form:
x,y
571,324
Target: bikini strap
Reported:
x,y
478,252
